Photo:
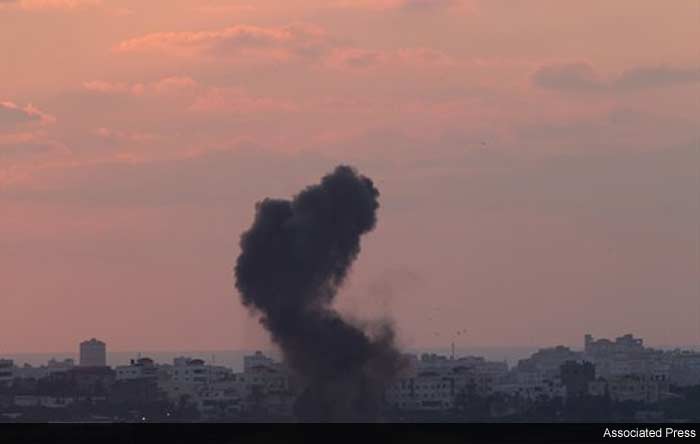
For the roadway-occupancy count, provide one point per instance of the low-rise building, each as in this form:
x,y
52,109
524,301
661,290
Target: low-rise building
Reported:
x,y
684,367
547,361
37,372
575,377
142,368
7,371
543,390
195,371
258,359
187,377
625,344
633,387
47,401
30,372
434,382
426,391
531,384
56,366
220,400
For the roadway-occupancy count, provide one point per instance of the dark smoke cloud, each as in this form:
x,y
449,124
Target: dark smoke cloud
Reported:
x,y
292,262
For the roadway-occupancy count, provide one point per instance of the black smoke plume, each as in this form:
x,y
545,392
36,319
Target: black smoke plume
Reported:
x,y
293,260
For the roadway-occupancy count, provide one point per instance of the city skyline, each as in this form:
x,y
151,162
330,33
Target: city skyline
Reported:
x,y
511,354
618,379
536,165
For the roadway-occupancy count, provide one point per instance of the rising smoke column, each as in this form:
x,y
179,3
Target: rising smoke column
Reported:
x,y
292,262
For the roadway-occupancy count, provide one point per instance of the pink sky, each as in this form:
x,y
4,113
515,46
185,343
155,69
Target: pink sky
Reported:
x,y
538,164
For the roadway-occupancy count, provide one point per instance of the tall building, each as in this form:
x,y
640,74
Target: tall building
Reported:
x,y
93,353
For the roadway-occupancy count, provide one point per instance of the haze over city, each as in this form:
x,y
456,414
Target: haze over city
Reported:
x,y
537,165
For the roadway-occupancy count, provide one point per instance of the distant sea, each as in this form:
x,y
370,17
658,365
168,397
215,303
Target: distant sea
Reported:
x,y
234,358
228,358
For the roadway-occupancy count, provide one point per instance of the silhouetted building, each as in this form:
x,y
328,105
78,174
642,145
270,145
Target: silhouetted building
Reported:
x,y
59,366
684,367
648,389
547,361
142,368
7,367
576,376
93,353
28,371
257,360
92,380
623,344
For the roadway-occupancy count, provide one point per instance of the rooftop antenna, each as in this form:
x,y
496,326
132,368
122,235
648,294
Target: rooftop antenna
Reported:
x,y
453,351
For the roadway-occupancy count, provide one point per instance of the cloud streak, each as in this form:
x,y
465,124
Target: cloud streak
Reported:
x,y
300,42
412,6
355,59
164,86
297,40
197,97
582,77
42,5
13,116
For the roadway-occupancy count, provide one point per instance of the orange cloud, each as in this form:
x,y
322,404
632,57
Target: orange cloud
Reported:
x,y
23,138
424,56
129,136
166,85
356,58
22,149
100,86
201,98
233,100
12,115
293,42
361,59
171,85
37,5
224,9
299,40
404,5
